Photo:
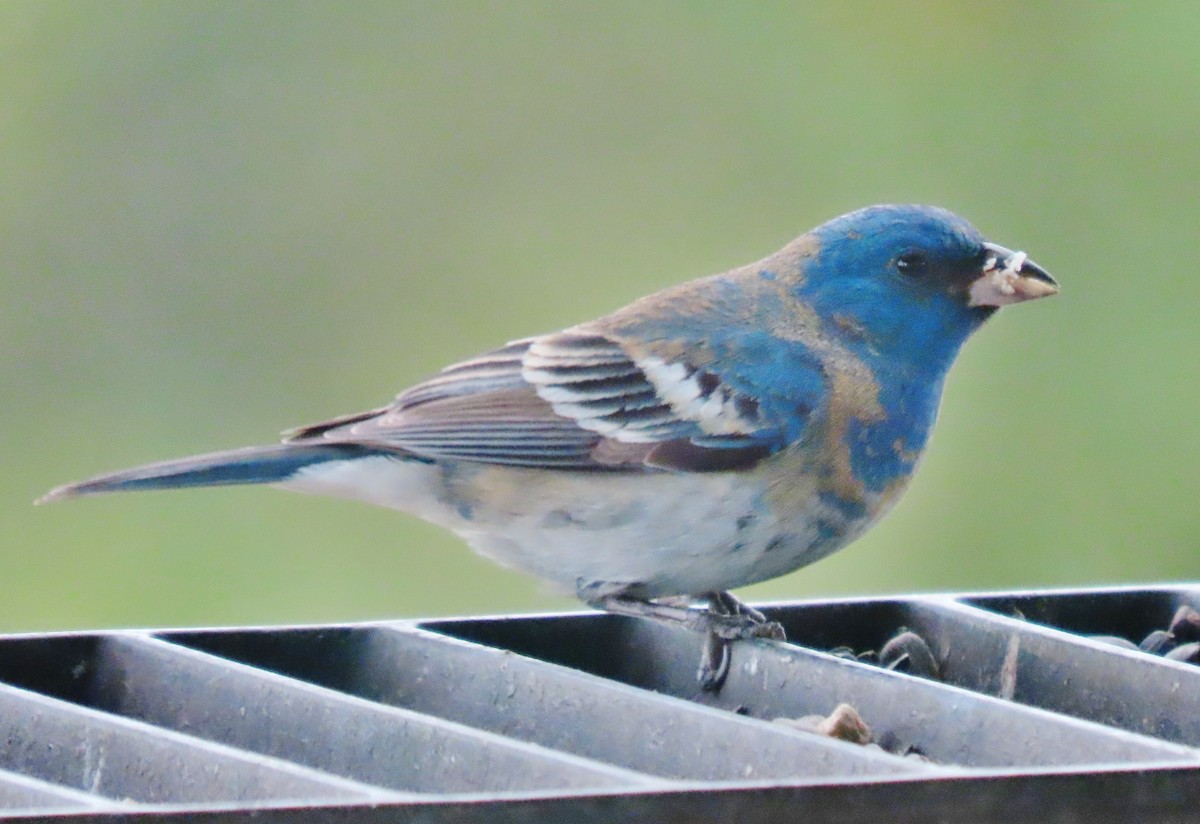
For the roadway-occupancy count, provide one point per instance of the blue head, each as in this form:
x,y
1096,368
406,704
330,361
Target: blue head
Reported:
x,y
902,287
911,283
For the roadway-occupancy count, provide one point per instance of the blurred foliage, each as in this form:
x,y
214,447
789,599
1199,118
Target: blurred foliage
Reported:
x,y
223,218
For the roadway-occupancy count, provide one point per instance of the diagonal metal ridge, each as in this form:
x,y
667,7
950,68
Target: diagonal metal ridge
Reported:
x,y
218,699
541,703
1024,715
948,724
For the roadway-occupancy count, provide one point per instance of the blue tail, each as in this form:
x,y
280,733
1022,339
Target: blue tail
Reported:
x,y
253,465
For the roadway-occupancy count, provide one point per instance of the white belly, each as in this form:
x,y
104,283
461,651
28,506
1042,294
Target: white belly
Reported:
x,y
648,535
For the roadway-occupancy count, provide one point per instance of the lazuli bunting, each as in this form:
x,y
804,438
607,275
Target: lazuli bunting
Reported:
x,y
721,432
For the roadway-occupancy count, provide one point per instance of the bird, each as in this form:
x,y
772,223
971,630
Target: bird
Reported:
x,y
718,433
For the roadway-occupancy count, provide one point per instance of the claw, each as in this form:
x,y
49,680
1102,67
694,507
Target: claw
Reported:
x,y
726,619
714,663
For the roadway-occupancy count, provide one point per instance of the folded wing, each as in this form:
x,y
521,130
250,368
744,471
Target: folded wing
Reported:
x,y
580,401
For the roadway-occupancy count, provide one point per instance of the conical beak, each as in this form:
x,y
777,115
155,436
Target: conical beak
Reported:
x,y
1009,277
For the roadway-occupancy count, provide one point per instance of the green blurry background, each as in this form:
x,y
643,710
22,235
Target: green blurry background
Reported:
x,y
220,219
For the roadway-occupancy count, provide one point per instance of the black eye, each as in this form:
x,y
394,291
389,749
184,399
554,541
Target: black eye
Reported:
x,y
912,264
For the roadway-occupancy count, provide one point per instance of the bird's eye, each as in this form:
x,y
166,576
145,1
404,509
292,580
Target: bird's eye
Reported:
x,y
912,264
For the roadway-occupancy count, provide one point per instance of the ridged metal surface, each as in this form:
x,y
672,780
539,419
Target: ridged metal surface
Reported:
x,y
594,717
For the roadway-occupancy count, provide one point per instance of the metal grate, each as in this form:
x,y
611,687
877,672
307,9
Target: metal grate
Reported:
x,y
592,717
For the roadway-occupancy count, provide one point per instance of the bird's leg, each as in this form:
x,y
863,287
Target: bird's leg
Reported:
x,y
667,613
716,656
726,619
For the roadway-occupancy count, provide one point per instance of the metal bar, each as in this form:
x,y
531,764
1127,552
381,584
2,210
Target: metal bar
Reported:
x,y
545,704
22,792
1071,674
1117,796
82,749
772,680
1131,614
217,699
615,690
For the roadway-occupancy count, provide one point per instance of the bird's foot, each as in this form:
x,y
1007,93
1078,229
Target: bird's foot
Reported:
x,y
742,620
730,620
725,620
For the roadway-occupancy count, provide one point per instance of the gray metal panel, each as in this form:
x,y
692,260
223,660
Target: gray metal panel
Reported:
x,y
771,680
596,697
549,705
1158,795
82,749
22,792
1053,669
1126,611
214,698
1074,675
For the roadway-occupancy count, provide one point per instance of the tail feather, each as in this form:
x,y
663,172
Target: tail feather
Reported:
x,y
252,465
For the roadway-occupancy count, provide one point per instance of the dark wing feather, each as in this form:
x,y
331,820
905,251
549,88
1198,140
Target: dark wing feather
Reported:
x,y
565,401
